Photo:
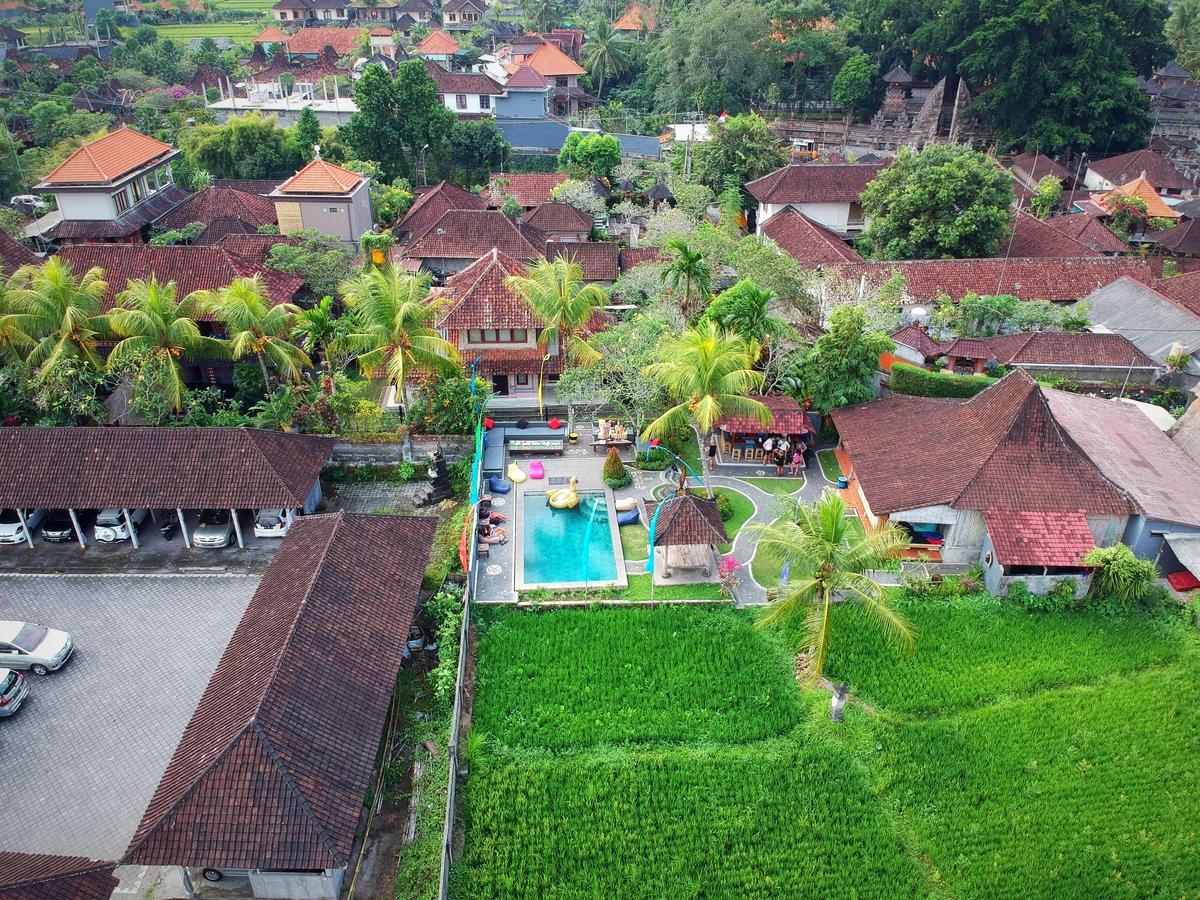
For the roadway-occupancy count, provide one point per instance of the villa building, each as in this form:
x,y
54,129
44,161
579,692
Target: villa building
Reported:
x,y
463,15
326,197
461,236
826,194
468,94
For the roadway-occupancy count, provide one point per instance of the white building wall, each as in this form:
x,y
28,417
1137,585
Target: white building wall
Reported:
x,y
834,216
325,885
450,101
1094,181
964,541
90,206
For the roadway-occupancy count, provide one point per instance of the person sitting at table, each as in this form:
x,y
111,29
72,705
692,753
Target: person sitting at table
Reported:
x,y
620,432
492,534
602,432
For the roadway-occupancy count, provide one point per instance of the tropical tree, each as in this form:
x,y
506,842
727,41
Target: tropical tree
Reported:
x,y
542,15
54,316
156,331
707,372
744,309
316,329
607,53
391,330
558,298
257,328
689,268
829,562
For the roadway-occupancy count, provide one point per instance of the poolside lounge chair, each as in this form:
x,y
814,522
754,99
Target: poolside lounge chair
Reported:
x,y
498,485
536,470
628,518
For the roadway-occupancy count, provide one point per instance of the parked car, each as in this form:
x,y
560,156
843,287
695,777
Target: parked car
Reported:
x,y
57,527
215,529
13,688
29,202
270,523
111,527
12,531
26,646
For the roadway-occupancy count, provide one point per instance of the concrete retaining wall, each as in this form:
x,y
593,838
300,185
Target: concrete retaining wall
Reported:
x,y
454,447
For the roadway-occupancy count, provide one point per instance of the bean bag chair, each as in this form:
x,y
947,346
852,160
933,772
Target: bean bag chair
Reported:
x,y
515,475
1183,581
536,469
626,504
555,423
628,518
497,485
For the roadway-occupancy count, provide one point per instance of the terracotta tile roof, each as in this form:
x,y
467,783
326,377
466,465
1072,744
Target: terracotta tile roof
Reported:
x,y
968,348
191,268
525,76
1029,279
271,35
260,186
430,206
254,248
126,225
805,241
39,876
638,255
1183,289
787,417
344,41
551,62
1036,166
471,233
301,70
553,217
1061,348
999,450
1144,191
1183,238
529,188
687,519
516,361
1039,538
462,82
273,767
600,260
1129,166
438,43
798,183
321,177
1031,238
380,31
478,297
107,159
1089,231
213,203
159,468
14,254
635,18
918,338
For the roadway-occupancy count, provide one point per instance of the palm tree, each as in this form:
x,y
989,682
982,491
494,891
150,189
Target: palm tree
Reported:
x,y
257,328
542,14
392,327
708,373
828,563
607,53
55,316
689,268
155,330
317,328
557,296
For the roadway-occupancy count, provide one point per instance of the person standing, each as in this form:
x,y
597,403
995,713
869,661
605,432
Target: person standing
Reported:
x,y
712,451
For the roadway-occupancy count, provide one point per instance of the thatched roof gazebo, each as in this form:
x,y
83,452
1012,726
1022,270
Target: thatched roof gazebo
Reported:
x,y
691,524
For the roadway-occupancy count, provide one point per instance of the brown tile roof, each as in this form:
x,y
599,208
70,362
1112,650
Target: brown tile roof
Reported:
x,y
1036,166
214,203
260,186
635,18
1129,166
525,77
14,254
321,177
254,248
787,417
552,216
191,268
687,519
968,348
918,338
270,35
470,233
999,450
530,189
551,62
1029,279
344,41
158,468
1183,238
108,159
516,361
639,255
273,767
39,876
1031,238
1060,348
438,43
797,183
127,224
1039,538
1089,231
462,82
805,241
430,206
1183,289
600,260
301,70
478,297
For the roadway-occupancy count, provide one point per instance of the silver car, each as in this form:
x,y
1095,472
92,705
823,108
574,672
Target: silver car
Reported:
x,y
36,648
13,689
11,529
215,529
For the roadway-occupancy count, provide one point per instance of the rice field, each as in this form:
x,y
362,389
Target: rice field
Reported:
x,y
237,31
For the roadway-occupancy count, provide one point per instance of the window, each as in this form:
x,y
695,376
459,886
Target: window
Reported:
x,y
489,335
523,380
121,199
138,193
333,209
520,335
505,336
460,100
485,102
497,335
561,81
474,336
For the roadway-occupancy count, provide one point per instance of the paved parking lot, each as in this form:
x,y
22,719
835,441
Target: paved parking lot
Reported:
x,y
82,757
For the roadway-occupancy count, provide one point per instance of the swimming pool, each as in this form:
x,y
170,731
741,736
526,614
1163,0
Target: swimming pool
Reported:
x,y
568,546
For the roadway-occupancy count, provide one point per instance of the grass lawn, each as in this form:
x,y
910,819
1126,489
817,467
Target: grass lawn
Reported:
x,y
781,487
639,589
634,541
247,6
767,573
234,30
830,467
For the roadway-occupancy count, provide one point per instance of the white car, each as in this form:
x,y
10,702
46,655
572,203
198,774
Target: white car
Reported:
x,y
11,529
13,688
36,648
110,525
270,523
29,200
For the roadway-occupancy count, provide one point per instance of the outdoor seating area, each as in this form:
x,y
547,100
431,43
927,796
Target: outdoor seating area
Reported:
x,y
611,433
743,441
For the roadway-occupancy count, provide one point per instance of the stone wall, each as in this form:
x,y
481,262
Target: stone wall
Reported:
x,y
454,447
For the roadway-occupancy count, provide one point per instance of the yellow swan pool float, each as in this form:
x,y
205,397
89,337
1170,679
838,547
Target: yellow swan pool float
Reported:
x,y
564,498
515,475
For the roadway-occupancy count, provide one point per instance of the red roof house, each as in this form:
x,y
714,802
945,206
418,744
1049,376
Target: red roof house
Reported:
x,y
530,189
461,236
430,206
805,241
222,211
40,876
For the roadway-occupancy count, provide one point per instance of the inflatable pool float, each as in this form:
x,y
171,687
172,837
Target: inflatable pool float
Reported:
x,y
497,485
626,504
515,475
564,498
536,470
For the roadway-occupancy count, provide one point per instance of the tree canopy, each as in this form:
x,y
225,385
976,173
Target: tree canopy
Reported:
x,y
840,368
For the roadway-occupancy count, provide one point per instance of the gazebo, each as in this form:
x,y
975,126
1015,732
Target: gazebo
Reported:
x,y
692,525
742,437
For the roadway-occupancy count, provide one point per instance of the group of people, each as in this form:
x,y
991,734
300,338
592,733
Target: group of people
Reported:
x,y
489,530
612,430
777,450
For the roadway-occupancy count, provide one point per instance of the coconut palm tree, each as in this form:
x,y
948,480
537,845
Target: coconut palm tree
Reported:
x,y
257,328
391,330
829,563
607,53
707,372
54,315
689,268
559,299
157,331
316,329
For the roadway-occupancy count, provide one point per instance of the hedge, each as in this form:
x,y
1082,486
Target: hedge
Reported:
x,y
908,379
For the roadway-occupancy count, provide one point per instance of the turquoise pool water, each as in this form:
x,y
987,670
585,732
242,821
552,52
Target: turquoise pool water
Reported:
x,y
561,547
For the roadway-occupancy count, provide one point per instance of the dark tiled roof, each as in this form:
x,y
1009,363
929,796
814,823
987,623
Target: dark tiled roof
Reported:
x,y
529,188
968,348
214,203
478,296
14,254
1089,231
1129,166
514,361
1032,238
598,259
1183,289
273,767
1039,538
261,186
787,417
1037,166
805,241
430,206
796,183
131,222
462,82
1189,208
551,217
39,876
918,338
158,468
897,75
253,248
639,255
687,519
1183,238
1060,348
999,450
470,233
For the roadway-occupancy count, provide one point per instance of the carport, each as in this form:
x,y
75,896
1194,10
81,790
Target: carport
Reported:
x,y
159,469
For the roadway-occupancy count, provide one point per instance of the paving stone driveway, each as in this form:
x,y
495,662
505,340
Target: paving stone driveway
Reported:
x,y
82,757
